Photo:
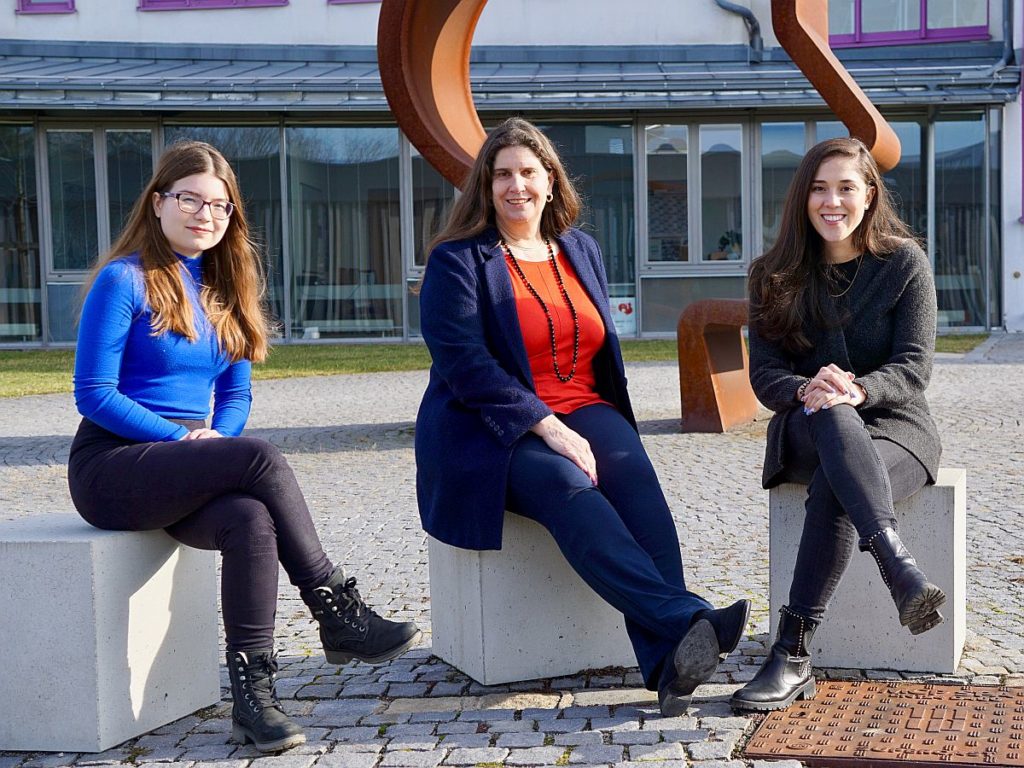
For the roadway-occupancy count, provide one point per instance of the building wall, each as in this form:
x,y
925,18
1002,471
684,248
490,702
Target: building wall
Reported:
x,y
314,22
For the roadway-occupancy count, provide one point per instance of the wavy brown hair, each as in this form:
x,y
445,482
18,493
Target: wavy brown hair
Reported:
x,y
788,285
233,281
473,211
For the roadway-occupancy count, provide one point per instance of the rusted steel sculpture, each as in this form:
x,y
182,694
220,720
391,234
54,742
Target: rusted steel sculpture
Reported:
x,y
713,368
423,49
802,29
423,52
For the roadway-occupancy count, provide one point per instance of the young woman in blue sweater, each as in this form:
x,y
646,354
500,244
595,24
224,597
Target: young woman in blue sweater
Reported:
x,y
174,315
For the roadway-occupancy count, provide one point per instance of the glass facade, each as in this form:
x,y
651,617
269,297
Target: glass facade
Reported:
x,y
346,256
20,297
343,214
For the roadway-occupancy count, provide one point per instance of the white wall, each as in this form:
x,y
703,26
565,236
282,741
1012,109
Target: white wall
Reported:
x,y
1013,230
313,22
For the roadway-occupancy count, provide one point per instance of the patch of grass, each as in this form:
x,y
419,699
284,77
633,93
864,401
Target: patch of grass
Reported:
x,y
134,753
564,759
48,371
382,729
960,343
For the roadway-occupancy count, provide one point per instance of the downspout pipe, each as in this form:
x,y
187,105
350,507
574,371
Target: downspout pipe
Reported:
x,y
753,27
1007,56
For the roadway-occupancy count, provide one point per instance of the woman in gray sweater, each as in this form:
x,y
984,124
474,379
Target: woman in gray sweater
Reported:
x,y
842,334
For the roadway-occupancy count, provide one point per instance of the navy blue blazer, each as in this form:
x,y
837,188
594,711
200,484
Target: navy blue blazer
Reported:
x,y
481,399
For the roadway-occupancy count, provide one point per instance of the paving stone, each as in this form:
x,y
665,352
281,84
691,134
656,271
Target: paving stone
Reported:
x,y
511,726
419,743
594,754
219,764
287,759
364,689
412,758
523,739
535,756
337,759
407,690
208,753
685,736
581,737
475,756
636,737
115,755
457,726
710,750
561,726
11,761
354,734
441,704
51,760
659,723
664,751
160,755
468,740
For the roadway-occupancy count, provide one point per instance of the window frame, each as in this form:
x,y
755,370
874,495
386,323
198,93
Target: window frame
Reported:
x,y
202,5
922,34
45,6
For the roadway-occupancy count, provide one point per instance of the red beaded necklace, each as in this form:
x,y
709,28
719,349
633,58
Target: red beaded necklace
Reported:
x,y
547,312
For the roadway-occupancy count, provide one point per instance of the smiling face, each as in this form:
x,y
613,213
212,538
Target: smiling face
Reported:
x,y
192,233
836,204
519,187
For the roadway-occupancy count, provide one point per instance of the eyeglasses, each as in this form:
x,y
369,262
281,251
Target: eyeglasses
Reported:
x,y
190,202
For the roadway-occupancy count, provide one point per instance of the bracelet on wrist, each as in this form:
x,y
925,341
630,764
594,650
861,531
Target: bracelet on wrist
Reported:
x,y
802,389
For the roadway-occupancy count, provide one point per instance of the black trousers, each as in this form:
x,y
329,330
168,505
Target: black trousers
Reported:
x,y
237,495
852,481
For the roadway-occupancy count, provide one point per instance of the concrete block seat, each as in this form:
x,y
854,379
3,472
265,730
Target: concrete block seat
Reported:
x,y
861,629
520,613
106,635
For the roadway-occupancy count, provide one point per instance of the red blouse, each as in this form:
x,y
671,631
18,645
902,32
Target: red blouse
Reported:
x,y
560,397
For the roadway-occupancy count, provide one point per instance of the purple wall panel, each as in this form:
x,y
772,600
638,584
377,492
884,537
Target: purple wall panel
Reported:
x,y
45,6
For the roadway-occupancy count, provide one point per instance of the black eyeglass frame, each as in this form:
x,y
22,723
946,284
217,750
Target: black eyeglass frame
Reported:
x,y
228,205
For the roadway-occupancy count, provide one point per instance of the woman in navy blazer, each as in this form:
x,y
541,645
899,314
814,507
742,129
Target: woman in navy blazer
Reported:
x,y
527,409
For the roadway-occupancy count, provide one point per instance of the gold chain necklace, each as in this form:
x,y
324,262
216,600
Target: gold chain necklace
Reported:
x,y
846,290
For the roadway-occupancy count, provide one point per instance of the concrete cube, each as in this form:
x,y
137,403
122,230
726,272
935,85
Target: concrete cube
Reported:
x,y
520,613
861,629
105,635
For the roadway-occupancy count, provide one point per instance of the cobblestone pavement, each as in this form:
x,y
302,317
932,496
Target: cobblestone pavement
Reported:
x,y
349,439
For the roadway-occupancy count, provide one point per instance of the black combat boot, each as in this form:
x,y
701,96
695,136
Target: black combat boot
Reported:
x,y
350,629
916,598
257,715
785,675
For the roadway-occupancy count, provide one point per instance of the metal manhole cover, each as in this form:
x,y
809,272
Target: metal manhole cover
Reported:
x,y
897,724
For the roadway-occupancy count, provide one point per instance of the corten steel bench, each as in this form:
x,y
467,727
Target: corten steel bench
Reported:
x,y
106,634
714,381
861,629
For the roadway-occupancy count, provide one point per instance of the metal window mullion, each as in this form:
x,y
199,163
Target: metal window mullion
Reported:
x,y
45,233
99,149
695,200
406,224
930,185
987,197
747,190
286,240
641,231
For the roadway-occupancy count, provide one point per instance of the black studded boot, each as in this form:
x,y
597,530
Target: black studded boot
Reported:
x,y
785,675
257,715
916,598
350,629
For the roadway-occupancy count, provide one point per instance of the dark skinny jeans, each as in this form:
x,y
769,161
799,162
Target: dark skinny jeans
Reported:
x,y
234,494
619,536
852,481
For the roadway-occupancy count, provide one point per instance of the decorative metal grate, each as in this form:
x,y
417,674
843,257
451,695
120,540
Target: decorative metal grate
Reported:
x,y
897,725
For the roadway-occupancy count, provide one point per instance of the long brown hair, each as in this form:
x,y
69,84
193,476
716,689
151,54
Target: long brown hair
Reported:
x,y
233,280
473,211
789,283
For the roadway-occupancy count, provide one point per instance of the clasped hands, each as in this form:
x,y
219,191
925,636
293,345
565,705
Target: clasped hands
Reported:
x,y
831,386
201,434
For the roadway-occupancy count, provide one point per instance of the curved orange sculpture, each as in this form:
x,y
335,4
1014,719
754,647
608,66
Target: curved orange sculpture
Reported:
x,y
423,52
802,29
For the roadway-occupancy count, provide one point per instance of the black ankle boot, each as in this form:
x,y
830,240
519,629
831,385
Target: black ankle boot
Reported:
x,y
693,662
257,715
729,624
350,629
916,598
785,675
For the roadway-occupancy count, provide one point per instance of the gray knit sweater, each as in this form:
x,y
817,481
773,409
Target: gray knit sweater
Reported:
x,y
888,342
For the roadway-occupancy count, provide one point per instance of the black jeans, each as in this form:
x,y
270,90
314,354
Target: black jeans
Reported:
x,y
852,482
236,495
619,536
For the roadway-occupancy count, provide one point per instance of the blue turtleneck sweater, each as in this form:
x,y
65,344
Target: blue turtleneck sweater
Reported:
x,y
131,382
